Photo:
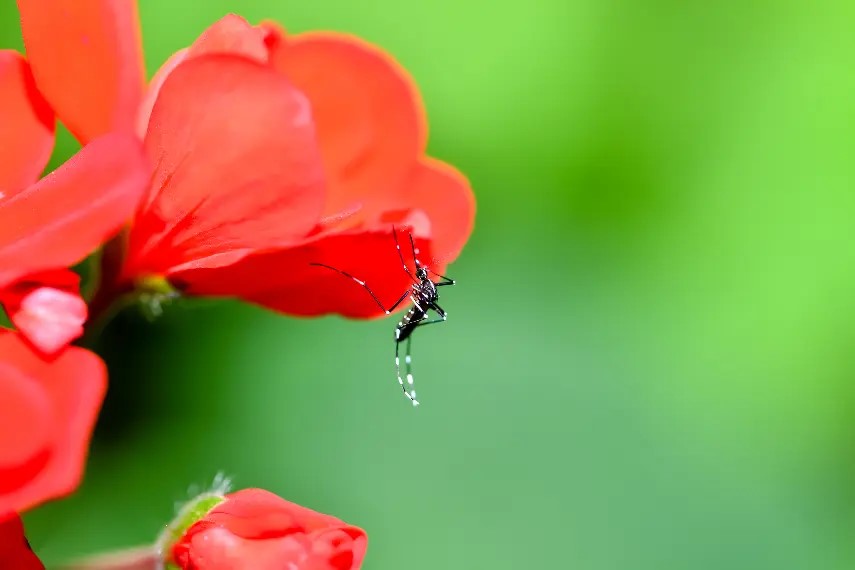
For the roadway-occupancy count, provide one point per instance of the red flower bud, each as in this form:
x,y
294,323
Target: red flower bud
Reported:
x,y
254,529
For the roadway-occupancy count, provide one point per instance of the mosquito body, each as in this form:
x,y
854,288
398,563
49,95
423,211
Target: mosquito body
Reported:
x,y
423,295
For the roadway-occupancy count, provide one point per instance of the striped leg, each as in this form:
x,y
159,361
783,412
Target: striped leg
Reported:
x,y
406,382
406,386
445,280
362,284
415,251
401,255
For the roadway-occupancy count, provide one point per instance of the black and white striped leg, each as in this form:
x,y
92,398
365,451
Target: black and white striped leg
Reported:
x,y
408,364
362,284
443,316
406,385
434,321
445,280
401,255
415,251
406,382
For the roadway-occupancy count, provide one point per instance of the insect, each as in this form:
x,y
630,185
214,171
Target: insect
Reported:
x,y
424,296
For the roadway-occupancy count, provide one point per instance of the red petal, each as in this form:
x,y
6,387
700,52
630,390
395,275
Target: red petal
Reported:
x,y
215,548
74,383
258,514
67,214
153,90
27,433
87,59
232,34
370,119
15,551
286,281
26,131
47,309
445,196
237,166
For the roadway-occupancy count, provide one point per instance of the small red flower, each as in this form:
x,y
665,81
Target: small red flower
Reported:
x,y
256,530
270,152
48,409
15,551
52,223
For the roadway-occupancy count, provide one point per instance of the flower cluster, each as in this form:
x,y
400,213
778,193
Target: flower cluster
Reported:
x,y
249,155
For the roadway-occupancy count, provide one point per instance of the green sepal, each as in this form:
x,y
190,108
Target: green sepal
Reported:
x,y
189,514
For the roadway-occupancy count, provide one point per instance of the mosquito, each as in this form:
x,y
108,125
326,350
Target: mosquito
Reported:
x,y
424,296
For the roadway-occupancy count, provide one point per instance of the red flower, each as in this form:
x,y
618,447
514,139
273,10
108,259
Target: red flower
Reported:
x,y
270,152
48,410
15,551
256,530
53,223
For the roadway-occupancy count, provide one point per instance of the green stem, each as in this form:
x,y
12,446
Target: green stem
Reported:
x,y
141,558
111,294
93,276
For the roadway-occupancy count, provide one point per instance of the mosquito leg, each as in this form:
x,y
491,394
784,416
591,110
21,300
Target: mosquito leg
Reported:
x,y
398,302
415,252
401,255
447,280
407,386
409,393
431,322
362,284
443,316
408,362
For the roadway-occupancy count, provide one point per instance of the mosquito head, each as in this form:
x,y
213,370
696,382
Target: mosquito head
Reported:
x,y
421,273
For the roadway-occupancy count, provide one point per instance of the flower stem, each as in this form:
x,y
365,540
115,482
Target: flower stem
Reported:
x,y
110,285
141,558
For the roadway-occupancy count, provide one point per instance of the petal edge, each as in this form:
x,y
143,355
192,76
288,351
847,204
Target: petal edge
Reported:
x,y
66,215
371,121
86,57
27,128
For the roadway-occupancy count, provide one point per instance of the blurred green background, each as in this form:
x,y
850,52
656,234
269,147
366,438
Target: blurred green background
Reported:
x,y
649,360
